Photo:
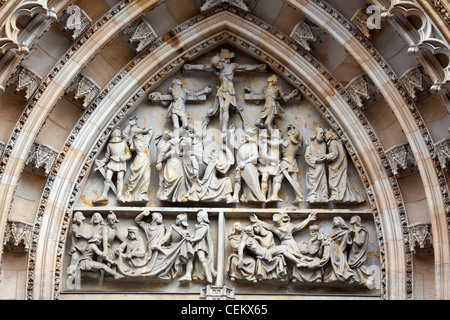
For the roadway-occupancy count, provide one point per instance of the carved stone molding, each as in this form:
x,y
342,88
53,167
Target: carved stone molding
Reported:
x,y
421,239
74,22
363,91
443,7
402,160
308,35
443,151
158,76
246,5
2,148
83,91
25,81
75,190
40,159
18,237
139,35
213,292
417,82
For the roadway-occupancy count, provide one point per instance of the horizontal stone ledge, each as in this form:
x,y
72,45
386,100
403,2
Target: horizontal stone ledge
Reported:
x,y
168,296
224,210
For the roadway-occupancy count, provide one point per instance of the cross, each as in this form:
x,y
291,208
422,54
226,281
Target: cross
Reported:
x,y
226,95
271,94
178,97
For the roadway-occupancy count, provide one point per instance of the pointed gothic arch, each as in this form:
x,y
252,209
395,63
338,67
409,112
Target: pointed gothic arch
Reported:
x,y
156,63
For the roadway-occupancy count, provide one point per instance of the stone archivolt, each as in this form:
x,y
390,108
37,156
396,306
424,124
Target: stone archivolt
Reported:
x,y
114,124
222,38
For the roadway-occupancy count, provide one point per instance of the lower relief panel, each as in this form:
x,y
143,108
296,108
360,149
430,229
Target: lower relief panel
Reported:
x,y
253,251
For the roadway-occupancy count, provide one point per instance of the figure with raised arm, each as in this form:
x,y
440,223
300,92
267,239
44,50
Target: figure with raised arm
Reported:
x,y
226,95
271,95
139,181
178,97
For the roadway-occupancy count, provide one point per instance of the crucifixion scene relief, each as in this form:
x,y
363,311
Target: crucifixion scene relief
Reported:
x,y
170,203
227,130
224,150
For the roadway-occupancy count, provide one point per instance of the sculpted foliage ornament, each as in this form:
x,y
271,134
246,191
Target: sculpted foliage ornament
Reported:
x,y
417,82
443,151
25,81
402,160
208,4
18,237
308,35
421,239
41,159
363,91
83,90
74,22
139,35
2,148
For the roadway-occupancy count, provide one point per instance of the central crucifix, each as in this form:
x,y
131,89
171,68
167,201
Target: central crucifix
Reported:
x,y
226,95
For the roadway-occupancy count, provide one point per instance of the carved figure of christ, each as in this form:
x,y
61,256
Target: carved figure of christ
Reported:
x,y
226,94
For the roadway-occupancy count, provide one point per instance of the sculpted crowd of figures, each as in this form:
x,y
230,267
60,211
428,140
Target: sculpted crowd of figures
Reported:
x,y
266,251
195,166
260,251
100,248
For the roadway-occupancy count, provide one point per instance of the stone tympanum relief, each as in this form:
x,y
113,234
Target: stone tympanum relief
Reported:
x,y
178,97
230,159
244,154
272,108
225,70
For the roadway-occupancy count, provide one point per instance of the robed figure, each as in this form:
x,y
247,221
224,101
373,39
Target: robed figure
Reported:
x,y
340,188
246,270
176,252
316,174
180,172
140,171
214,186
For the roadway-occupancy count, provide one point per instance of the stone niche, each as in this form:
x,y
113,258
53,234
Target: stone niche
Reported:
x,y
84,265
